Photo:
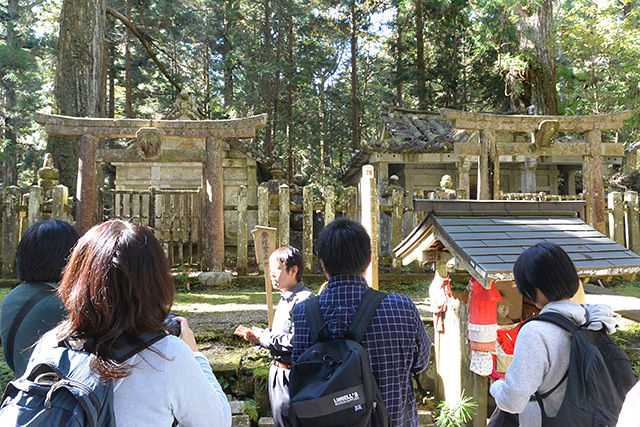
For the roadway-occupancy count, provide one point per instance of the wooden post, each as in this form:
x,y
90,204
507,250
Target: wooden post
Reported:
x,y
243,227
214,201
632,220
367,185
307,228
352,203
397,198
152,207
60,196
85,192
264,240
593,181
10,230
329,204
36,202
616,217
284,227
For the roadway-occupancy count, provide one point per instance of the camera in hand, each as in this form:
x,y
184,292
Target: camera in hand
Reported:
x,y
172,326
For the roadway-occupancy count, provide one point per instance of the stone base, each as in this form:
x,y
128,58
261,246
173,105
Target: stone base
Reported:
x,y
265,422
215,278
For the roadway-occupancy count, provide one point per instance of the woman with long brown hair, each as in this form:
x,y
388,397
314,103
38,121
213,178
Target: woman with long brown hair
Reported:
x,y
117,288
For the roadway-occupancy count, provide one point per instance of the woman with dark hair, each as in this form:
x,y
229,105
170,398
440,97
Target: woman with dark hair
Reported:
x,y
117,287
33,307
546,275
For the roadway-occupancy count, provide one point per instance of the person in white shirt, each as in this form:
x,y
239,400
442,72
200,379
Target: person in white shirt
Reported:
x,y
117,287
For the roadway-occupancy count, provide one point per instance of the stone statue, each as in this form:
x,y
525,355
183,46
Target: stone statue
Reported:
x,y
47,174
445,191
185,107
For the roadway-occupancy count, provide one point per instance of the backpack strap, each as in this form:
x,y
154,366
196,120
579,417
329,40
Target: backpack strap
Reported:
x,y
128,351
124,349
569,326
17,322
365,311
557,319
314,318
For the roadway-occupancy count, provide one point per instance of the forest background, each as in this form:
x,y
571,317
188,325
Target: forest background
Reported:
x,y
321,69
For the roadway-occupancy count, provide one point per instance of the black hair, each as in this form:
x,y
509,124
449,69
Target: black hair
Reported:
x,y
43,251
547,267
290,257
344,247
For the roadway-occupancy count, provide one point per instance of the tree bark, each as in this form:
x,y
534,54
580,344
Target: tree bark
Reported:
x,y
128,111
537,34
289,92
355,116
10,167
80,83
399,58
422,77
268,143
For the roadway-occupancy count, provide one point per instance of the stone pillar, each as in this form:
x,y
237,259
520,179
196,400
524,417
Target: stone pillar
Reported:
x,y
85,192
214,203
553,180
243,228
464,165
571,183
36,204
528,180
594,187
382,170
488,167
284,214
630,161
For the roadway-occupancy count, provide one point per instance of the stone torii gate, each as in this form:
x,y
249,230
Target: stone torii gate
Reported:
x,y
149,134
544,130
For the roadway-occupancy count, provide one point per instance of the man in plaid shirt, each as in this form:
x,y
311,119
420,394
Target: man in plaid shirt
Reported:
x,y
396,340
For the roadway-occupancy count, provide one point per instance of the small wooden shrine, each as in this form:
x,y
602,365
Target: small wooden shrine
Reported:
x,y
485,238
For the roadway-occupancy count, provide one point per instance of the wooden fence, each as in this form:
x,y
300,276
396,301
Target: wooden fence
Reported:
x,y
176,216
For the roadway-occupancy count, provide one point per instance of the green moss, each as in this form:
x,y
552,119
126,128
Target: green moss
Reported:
x,y
261,373
251,409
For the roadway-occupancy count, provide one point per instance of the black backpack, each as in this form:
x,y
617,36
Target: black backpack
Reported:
x,y
598,378
60,389
331,383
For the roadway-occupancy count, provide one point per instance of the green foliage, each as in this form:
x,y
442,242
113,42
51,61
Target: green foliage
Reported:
x,y
455,414
251,409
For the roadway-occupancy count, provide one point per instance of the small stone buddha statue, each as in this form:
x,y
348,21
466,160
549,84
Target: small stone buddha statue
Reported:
x,y
445,191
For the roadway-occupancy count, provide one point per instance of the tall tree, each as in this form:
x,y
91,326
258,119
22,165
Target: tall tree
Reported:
x,y
80,82
537,36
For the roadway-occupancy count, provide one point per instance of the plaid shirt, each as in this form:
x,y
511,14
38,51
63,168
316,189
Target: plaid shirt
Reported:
x,y
395,339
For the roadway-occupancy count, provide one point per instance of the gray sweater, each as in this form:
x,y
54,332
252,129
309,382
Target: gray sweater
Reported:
x,y
540,360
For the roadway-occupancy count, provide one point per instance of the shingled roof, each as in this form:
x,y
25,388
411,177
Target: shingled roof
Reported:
x,y
407,131
415,131
488,236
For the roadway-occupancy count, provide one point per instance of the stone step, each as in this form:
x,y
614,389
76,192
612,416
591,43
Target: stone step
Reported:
x,y
265,422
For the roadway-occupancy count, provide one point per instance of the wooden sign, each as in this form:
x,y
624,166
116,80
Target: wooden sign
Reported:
x,y
264,240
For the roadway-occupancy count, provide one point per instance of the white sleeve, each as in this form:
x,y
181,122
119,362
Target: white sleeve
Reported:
x,y
195,395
